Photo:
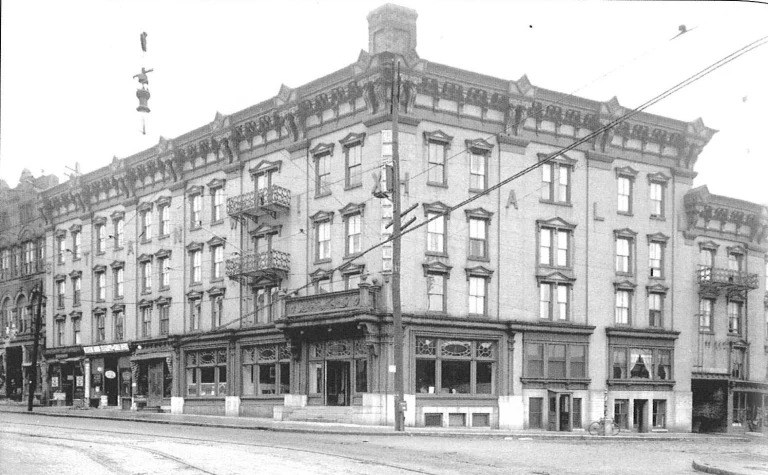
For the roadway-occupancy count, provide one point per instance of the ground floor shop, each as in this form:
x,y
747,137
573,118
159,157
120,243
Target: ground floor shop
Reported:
x,y
16,372
722,404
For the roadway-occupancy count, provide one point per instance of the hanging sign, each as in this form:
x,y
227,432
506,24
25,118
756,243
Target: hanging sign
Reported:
x,y
110,374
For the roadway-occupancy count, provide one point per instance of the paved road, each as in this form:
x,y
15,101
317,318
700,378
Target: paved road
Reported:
x,y
43,445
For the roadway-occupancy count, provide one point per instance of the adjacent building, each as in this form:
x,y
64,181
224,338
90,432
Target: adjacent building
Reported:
x,y
228,270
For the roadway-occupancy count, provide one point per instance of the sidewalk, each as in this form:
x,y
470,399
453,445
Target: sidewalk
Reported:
x,y
254,423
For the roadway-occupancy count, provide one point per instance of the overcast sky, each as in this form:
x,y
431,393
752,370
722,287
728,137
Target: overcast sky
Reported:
x,y
68,94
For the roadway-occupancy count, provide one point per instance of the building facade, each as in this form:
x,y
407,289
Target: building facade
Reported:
x,y
22,271
228,270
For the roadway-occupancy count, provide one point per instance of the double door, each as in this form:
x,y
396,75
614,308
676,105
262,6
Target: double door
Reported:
x,y
155,383
337,384
560,411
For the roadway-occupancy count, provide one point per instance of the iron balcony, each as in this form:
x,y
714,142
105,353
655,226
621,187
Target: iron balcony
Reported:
x,y
716,278
267,201
266,264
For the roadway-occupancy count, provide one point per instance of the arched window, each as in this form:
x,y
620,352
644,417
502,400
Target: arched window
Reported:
x,y
21,317
5,317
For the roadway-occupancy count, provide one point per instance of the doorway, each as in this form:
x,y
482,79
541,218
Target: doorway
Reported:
x,y
560,411
639,417
337,388
156,379
111,387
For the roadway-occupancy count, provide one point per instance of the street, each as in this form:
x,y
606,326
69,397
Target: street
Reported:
x,y
41,445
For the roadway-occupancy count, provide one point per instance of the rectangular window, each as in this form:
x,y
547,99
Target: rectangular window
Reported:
x,y
165,276
100,327
436,233
535,413
655,310
554,301
165,220
61,290
146,322
101,286
323,172
478,242
556,361
621,413
656,259
352,281
564,183
706,258
622,307
218,262
264,299
118,282
705,314
101,238
436,152
354,157
76,290
119,318
76,331
656,192
217,205
197,266
735,262
76,244
624,255
735,310
624,195
455,366
60,249
553,247
478,166
59,332
119,233
354,234
534,357
663,365
266,370
545,246
146,225
659,413
548,180
195,311
195,211
477,288
164,318
146,277
217,312
323,231
206,372
556,182
435,293
577,413
577,361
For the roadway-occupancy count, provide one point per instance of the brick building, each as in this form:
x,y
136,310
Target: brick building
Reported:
x,y
224,271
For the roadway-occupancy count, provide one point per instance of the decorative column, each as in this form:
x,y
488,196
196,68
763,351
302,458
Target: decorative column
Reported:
x,y
87,375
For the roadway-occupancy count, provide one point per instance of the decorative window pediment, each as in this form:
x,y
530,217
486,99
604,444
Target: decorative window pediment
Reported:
x,y
658,177
625,233
319,274
60,233
163,201
144,206
712,245
75,274
216,183
656,289
117,264
556,223
76,228
194,295
216,291
164,300
322,149
478,271
195,190
437,207
99,268
478,213
738,249
163,253
625,284
351,268
117,215
266,229
144,257
322,217
658,237
118,307
266,166
555,277
194,246
564,159
75,314
352,139
352,208
436,267
627,172
59,277
216,241
438,136
99,220
479,145
144,303
60,316
99,310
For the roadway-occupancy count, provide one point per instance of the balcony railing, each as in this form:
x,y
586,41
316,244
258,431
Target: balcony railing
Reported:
x,y
718,278
271,200
364,299
275,264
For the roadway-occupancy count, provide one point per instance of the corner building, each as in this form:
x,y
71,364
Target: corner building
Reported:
x,y
234,277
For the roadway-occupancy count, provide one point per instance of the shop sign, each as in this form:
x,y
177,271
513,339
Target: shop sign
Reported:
x,y
59,396
113,348
79,381
110,374
126,375
55,381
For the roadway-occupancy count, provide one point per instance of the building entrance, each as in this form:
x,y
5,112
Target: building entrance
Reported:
x,y
639,415
337,387
111,388
155,381
560,411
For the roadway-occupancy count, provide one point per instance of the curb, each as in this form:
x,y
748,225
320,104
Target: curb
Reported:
x,y
710,469
333,431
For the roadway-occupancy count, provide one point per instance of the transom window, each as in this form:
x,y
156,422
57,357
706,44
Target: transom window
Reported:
x,y
206,372
267,370
446,366
554,360
641,363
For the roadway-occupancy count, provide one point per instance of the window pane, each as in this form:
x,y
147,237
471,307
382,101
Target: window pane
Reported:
x,y
545,249
544,300
556,363
267,378
619,363
361,376
640,362
577,361
484,377
535,407
534,356
562,248
562,302
425,376
455,377
285,378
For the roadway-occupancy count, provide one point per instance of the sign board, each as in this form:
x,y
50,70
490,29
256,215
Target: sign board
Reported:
x,y
110,374
59,396
79,381
392,368
113,348
54,381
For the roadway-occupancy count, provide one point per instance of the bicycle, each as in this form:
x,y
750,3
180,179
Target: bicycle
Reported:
x,y
598,427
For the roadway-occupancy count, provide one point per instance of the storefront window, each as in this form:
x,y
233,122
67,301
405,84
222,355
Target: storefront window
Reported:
x,y
464,366
555,360
266,370
641,363
207,373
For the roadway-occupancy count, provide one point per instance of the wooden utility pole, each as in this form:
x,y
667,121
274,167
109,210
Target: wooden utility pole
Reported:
x,y
38,291
397,318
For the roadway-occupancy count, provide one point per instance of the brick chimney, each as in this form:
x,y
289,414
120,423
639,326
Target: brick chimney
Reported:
x,y
392,28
